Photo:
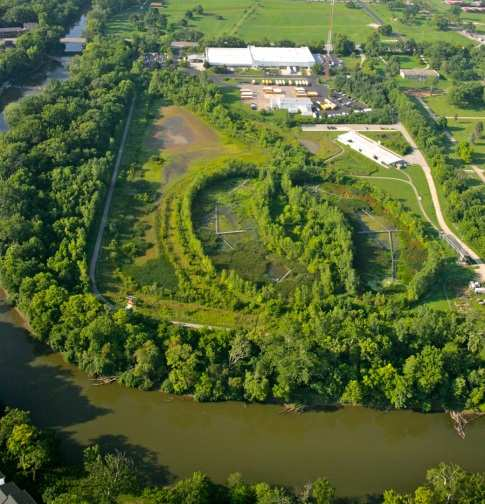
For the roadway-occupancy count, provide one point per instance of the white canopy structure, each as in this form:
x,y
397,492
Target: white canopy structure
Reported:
x,y
371,149
258,57
292,105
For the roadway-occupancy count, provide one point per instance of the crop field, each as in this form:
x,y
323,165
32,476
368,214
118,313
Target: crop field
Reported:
x,y
254,20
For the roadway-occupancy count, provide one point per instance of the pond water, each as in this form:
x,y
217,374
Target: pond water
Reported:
x,y
360,450
54,69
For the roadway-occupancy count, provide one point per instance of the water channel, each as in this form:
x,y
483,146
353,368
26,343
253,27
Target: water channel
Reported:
x,y
360,450
53,69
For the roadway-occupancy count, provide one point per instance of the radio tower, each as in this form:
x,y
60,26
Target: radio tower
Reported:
x,y
328,45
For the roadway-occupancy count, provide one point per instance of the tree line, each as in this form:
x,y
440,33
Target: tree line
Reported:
x,y
52,18
55,162
30,457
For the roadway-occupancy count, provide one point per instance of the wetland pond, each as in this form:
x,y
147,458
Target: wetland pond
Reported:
x,y
360,450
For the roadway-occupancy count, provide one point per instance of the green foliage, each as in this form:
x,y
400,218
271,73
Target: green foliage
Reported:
x,y
52,18
23,446
466,94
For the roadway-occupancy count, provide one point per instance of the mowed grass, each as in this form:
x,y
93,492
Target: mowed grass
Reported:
x,y
394,182
462,130
120,24
320,144
302,22
440,105
219,18
422,30
392,140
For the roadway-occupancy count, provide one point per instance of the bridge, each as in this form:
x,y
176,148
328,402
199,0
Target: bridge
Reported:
x,y
73,40
456,246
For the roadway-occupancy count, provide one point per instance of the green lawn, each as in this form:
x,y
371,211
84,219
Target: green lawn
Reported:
x,y
392,140
255,20
303,22
441,106
121,25
421,31
462,130
219,18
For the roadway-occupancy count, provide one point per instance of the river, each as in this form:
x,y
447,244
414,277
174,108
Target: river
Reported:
x,y
360,450
57,69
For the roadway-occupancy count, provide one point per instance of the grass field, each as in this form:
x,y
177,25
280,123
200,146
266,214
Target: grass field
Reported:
x,y
422,30
255,20
392,140
441,106
462,130
121,25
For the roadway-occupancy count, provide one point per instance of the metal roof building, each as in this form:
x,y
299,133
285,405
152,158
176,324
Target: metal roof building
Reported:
x,y
371,149
253,56
292,105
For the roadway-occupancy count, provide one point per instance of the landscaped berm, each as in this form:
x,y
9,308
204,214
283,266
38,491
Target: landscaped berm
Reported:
x,y
167,147
197,234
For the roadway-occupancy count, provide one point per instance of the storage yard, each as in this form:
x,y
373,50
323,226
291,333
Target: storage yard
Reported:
x,y
305,96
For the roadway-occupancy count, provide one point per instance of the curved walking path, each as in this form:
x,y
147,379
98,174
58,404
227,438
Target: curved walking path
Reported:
x,y
409,182
107,205
418,158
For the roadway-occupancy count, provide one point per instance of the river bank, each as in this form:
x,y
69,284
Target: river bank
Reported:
x,y
360,450
52,69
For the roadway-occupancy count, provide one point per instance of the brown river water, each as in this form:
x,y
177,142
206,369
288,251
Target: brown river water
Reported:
x,y
360,450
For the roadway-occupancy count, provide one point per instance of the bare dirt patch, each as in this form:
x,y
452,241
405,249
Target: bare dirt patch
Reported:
x,y
178,129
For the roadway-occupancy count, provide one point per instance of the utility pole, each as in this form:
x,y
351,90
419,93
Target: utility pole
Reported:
x,y
328,45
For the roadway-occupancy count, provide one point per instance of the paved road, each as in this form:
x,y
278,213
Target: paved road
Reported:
x,y
106,209
420,160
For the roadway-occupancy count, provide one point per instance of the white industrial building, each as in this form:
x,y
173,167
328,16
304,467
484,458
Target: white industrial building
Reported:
x,y
372,150
292,105
260,57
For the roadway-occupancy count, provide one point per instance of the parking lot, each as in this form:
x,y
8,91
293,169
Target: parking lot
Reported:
x,y
262,94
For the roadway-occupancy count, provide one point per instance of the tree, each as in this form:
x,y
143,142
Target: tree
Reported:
x,y
385,29
108,475
479,129
465,152
466,94
343,45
